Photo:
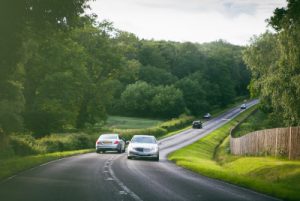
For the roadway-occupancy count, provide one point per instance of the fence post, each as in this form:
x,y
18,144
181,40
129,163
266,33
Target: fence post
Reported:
x,y
276,142
290,144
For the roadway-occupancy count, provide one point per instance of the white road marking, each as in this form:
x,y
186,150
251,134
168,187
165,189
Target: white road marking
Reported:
x,y
122,185
109,179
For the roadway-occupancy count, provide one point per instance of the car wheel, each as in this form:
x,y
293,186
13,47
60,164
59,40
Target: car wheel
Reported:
x,y
129,157
98,151
120,150
157,158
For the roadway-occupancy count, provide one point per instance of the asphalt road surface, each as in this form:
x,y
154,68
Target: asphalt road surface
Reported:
x,y
111,177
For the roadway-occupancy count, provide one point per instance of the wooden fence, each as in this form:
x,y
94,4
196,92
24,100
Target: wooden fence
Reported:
x,y
276,142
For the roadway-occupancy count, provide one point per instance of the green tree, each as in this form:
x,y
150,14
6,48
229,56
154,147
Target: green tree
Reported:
x,y
15,19
194,95
137,97
274,63
168,102
156,76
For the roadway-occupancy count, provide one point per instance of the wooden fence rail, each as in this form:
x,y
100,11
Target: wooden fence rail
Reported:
x,y
276,142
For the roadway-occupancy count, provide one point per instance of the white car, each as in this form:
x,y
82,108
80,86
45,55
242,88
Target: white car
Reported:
x,y
110,142
143,146
207,116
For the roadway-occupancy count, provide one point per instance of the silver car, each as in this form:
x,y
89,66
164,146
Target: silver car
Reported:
x,y
110,142
143,146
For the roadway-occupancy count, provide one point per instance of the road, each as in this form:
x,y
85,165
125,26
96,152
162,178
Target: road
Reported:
x,y
111,177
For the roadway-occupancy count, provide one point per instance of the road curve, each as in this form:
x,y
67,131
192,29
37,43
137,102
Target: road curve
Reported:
x,y
111,177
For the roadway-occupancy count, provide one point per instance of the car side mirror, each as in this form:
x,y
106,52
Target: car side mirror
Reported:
x,y
127,142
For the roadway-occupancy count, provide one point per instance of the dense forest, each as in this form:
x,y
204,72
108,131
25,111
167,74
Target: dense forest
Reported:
x,y
274,62
61,69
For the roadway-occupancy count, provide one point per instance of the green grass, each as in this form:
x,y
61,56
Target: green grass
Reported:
x,y
15,165
258,121
238,101
174,132
130,122
210,156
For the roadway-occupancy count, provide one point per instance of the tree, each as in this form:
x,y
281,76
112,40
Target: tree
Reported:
x,y
156,76
137,97
149,54
168,102
189,60
275,65
194,95
54,85
15,19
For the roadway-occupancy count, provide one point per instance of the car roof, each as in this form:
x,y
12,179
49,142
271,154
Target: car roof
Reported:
x,y
143,136
110,134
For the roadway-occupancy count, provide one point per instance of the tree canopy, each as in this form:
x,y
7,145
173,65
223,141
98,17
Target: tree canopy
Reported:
x,y
275,64
62,69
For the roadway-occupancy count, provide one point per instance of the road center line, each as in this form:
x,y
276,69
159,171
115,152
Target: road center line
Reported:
x,y
122,185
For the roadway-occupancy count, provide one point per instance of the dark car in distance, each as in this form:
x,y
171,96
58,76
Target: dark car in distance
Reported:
x,y
243,106
197,124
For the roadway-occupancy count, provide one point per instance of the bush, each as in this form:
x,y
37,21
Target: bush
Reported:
x,y
6,150
178,123
65,142
53,143
159,130
23,145
81,141
128,133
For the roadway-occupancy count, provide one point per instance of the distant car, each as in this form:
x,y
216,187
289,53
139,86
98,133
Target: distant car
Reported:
x,y
243,106
110,142
207,116
143,146
197,124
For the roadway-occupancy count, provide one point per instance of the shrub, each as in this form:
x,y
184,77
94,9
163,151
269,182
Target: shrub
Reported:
x,y
81,141
159,130
23,145
65,142
128,133
178,123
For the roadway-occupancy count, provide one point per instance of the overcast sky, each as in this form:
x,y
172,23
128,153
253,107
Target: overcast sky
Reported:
x,y
189,20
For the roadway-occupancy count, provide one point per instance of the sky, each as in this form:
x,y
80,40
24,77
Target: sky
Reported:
x,y
235,21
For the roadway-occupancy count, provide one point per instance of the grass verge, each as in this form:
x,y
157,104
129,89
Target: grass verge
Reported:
x,y
130,122
210,157
15,165
258,121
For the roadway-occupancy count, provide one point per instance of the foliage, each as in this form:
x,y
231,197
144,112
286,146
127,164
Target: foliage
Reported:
x,y
167,102
159,130
260,120
210,157
274,63
24,17
62,70
130,122
177,123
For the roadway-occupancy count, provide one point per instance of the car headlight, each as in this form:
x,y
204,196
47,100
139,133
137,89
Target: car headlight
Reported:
x,y
154,149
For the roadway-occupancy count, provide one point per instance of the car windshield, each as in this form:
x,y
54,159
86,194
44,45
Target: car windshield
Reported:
x,y
108,137
144,139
